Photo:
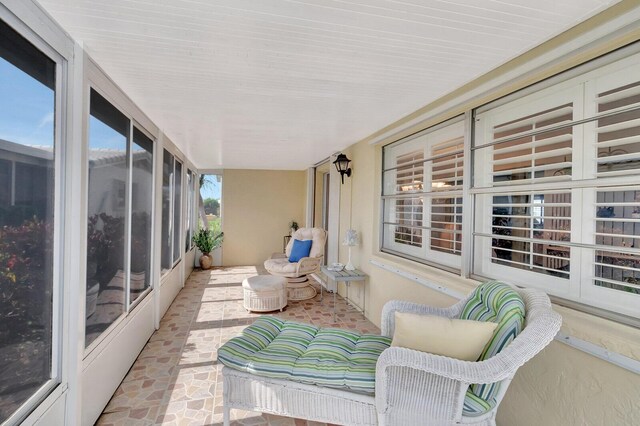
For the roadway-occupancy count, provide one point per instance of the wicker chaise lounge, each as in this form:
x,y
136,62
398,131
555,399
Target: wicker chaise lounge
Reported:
x,y
338,376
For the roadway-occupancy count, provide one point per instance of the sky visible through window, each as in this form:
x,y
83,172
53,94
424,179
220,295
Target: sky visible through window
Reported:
x,y
26,108
212,187
27,112
27,118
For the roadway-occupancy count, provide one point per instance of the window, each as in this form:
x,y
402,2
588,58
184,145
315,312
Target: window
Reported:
x,y
119,215
557,177
423,195
167,210
555,190
171,210
142,213
177,210
189,222
210,202
106,286
28,296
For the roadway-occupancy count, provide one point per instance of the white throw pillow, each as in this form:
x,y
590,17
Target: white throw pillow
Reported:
x,y
453,338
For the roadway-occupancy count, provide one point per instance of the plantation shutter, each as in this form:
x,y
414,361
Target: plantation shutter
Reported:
x,y
533,148
446,211
408,210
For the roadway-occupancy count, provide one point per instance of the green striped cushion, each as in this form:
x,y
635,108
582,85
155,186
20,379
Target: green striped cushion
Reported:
x,y
496,302
328,357
474,406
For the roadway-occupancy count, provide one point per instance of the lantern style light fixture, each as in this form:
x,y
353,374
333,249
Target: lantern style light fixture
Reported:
x,y
342,165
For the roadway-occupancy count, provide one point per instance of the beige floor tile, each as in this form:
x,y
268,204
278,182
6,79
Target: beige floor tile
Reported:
x,y
177,380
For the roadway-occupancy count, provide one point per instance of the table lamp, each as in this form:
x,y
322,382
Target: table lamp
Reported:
x,y
350,240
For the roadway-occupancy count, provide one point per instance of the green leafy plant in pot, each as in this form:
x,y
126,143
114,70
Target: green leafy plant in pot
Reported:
x,y
207,241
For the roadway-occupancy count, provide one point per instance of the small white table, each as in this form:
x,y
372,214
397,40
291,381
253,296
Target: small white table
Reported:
x,y
347,277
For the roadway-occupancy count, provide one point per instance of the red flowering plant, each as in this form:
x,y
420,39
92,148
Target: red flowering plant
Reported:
x,y
26,278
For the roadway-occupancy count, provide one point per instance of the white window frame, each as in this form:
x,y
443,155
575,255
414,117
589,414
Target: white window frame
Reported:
x,y
189,226
51,389
583,186
423,141
170,148
578,291
97,80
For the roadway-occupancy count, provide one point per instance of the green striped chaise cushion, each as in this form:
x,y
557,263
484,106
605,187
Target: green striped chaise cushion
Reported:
x,y
304,353
496,302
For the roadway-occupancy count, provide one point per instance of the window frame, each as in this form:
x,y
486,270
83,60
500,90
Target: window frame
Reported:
x,y
172,151
51,389
188,217
422,254
95,79
575,296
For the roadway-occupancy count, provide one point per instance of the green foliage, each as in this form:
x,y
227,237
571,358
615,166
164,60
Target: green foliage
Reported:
x,y
293,224
207,241
212,206
25,279
215,225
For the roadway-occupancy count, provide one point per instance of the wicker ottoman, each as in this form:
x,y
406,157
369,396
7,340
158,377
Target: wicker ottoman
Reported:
x,y
264,293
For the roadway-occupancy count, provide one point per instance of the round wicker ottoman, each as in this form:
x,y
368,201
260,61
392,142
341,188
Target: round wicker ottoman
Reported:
x,y
264,293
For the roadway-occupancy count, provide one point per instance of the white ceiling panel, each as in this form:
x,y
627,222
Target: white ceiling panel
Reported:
x,y
281,84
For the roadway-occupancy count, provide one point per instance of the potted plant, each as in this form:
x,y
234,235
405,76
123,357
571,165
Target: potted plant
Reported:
x,y
293,225
206,242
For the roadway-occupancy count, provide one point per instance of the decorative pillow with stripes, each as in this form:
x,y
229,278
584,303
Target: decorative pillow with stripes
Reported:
x,y
495,302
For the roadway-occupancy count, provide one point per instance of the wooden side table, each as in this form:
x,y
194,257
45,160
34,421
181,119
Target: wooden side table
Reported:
x,y
347,277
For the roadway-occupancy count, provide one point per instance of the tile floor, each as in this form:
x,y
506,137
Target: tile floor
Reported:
x,y
176,380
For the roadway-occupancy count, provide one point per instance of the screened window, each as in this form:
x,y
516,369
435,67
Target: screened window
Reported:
x,y
141,213
106,279
27,195
189,220
171,211
422,197
177,210
167,210
119,215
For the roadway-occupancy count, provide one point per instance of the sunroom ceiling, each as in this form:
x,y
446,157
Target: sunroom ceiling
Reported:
x,y
281,84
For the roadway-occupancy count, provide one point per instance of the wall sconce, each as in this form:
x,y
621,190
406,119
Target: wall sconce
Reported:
x,y
342,165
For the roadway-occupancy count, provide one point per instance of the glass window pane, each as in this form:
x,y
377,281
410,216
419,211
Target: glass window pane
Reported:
x,y
141,208
108,130
617,226
27,181
530,232
177,217
189,219
167,210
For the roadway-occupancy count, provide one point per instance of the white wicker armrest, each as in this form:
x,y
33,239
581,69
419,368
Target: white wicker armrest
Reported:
x,y
410,389
538,333
393,306
413,385
307,265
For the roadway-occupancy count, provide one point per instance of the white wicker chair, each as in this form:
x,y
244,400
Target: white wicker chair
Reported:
x,y
412,388
298,286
